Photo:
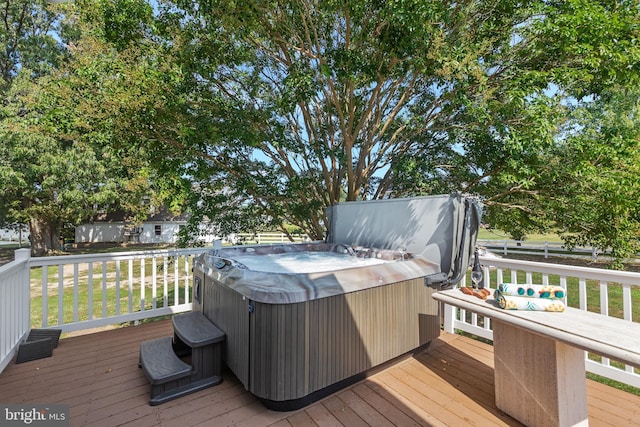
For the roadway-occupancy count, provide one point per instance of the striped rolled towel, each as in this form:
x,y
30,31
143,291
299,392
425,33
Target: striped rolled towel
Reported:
x,y
509,302
532,291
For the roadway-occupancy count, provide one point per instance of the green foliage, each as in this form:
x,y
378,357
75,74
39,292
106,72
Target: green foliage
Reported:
x,y
70,135
27,38
600,166
296,105
274,110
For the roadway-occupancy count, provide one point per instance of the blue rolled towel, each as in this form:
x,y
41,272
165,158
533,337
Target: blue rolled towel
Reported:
x,y
532,291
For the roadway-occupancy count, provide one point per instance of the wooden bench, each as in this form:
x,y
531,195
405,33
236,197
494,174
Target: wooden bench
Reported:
x,y
539,357
169,375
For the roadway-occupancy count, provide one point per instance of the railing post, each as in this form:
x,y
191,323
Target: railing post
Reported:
x,y
546,249
23,255
449,318
504,251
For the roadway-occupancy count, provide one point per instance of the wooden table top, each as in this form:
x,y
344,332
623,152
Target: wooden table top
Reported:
x,y
611,337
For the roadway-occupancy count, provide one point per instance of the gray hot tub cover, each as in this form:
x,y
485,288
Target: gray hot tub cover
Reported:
x,y
442,228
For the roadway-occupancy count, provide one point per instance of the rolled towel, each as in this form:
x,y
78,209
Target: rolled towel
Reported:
x,y
534,304
532,291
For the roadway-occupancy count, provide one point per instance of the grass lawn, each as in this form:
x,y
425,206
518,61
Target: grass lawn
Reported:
x,y
104,289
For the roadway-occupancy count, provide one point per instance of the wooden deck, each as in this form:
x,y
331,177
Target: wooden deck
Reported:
x,y
448,384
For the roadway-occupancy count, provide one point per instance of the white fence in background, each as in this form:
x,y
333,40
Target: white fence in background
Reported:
x,y
624,286
267,238
514,247
11,236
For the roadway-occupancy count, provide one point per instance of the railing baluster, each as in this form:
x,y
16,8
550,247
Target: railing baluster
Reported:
x,y
186,278
626,302
563,285
45,296
582,286
75,292
165,278
154,284
176,281
142,286
130,283
104,289
60,294
90,290
487,276
117,287
604,298
604,309
450,314
627,312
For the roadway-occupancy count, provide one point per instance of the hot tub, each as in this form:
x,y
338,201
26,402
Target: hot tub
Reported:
x,y
303,320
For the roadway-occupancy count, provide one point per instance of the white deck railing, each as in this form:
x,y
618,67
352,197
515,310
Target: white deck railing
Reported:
x,y
624,286
14,305
76,292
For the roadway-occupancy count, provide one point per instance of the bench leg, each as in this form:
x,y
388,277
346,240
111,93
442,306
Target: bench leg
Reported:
x,y
539,381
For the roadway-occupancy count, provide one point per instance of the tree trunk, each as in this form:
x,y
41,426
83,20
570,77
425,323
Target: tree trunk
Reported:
x,y
44,236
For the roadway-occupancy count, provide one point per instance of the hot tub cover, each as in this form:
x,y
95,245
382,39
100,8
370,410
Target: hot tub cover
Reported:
x,y
443,229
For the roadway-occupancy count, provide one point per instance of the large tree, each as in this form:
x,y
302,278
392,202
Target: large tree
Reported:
x,y
69,115
296,105
275,110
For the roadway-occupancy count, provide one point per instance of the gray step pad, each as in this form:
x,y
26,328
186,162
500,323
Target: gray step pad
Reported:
x,y
160,363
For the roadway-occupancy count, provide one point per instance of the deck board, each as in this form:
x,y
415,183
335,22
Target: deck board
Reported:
x,y
449,383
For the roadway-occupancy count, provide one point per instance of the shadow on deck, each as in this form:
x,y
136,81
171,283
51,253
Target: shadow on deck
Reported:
x,y
450,383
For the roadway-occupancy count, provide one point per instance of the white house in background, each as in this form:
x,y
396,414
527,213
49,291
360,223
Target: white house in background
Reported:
x,y
160,227
20,235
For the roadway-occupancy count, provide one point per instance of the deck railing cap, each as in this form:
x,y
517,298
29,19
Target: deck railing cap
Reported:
x,y
22,254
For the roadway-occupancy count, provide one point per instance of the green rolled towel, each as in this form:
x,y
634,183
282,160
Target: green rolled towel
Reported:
x,y
532,291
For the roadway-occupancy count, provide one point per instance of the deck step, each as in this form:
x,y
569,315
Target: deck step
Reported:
x,y
39,344
160,363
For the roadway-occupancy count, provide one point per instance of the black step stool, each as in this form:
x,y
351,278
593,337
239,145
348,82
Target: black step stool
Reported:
x,y
171,377
38,345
